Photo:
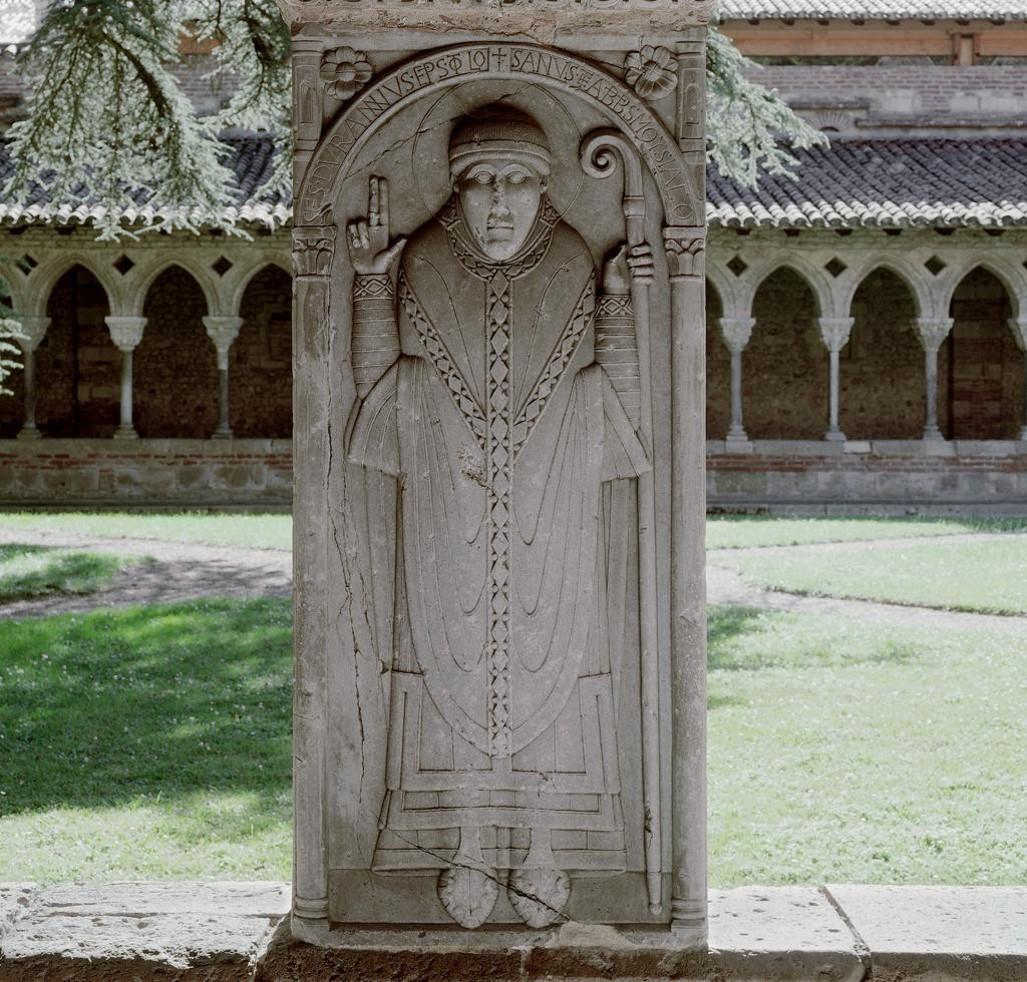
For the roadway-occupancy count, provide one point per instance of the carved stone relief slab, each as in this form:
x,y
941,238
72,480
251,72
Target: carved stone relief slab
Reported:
x,y
487,311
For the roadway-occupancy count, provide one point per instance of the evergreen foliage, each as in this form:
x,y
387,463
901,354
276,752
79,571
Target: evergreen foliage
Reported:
x,y
10,334
108,124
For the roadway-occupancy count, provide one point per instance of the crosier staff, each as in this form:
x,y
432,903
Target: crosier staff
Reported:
x,y
601,151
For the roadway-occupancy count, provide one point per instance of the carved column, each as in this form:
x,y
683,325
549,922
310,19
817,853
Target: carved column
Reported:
x,y
222,331
312,260
1018,325
686,263
736,332
834,331
33,330
126,333
932,331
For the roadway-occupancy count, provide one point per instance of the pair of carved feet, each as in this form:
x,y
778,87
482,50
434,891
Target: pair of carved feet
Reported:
x,y
538,894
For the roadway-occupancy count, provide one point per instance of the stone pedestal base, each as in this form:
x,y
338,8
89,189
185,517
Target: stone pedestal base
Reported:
x,y
125,433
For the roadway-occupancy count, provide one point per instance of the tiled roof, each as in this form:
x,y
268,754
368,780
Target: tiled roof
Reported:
x,y
17,20
250,163
873,9
884,183
891,183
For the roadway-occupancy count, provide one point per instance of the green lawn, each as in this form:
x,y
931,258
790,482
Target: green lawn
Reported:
x,y
275,531
155,742
984,576
35,571
748,531
847,752
264,531
147,742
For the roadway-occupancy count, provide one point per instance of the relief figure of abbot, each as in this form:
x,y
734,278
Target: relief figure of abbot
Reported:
x,y
476,366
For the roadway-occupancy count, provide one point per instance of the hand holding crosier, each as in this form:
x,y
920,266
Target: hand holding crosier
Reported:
x,y
626,263
369,249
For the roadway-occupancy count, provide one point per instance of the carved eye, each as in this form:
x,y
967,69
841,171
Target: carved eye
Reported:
x,y
517,177
483,177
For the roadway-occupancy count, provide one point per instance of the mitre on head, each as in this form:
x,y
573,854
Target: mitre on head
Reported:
x,y
499,129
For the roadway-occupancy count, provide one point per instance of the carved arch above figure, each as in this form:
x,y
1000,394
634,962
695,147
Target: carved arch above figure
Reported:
x,y
446,67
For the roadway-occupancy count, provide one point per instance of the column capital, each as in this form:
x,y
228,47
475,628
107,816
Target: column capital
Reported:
x,y
1018,325
933,331
33,330
736,331
686,251
222,330
126,332
834,331
312,249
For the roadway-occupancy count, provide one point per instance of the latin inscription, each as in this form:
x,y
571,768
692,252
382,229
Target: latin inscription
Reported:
x,y
503,60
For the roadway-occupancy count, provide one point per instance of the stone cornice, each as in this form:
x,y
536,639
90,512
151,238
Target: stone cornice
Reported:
x,y
496,16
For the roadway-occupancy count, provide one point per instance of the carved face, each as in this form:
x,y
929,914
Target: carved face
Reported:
x,y
500,196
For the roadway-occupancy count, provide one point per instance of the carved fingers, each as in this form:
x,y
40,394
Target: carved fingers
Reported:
x,y
369,249
625,264
640,260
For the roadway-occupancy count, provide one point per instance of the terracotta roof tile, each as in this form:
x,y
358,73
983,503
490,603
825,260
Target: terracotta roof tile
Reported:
x,y
874,183
884,183
1015,10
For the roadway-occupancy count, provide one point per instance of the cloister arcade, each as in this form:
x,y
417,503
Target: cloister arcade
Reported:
x,y
135,341
835,359
862,339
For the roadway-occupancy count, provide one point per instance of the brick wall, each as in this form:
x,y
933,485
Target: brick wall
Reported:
x,y
921,90
882,366
77,366
260,361
982,479
785,365
168,473
983,372
175,369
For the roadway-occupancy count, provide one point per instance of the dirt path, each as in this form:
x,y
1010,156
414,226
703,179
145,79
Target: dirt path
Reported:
x,y
725,585
178,571
187,570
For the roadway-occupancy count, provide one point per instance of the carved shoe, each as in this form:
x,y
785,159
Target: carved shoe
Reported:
x,y
468,894
539,894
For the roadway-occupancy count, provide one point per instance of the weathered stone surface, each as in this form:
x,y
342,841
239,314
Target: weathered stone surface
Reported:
x,y
500,667
784,932
939,934
141,931
756,935
14,901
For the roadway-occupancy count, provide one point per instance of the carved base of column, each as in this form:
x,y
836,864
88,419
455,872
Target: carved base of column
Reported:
x,y
125,432
1023,433
737,441
222,433
689,924
309,919
932,433
28,432
835,436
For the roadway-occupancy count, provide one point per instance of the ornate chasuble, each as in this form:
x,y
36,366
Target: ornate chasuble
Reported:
x,y
502,431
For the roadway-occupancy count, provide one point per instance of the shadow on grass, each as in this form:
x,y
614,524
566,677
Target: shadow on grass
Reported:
x,y
172,701
37,571
748,639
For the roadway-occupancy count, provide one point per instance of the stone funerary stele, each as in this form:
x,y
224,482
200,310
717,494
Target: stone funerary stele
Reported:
x,y
500,651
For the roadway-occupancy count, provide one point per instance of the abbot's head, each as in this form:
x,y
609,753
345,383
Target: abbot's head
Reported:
x,y
499,162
